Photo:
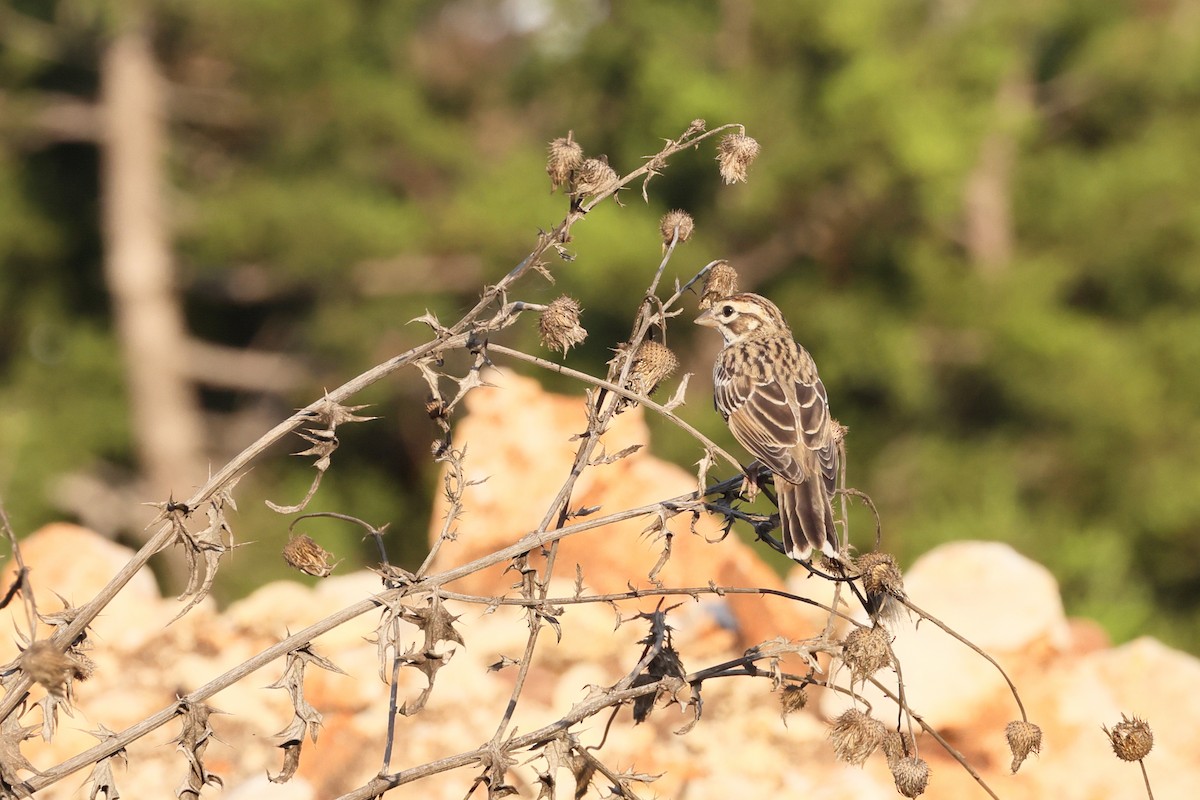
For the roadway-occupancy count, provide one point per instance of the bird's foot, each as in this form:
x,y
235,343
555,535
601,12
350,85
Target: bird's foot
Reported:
x,y
749,489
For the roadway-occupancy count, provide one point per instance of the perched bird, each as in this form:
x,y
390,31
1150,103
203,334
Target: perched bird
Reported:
x,y
766,387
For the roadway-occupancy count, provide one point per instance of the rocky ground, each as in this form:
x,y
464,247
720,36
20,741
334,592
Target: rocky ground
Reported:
x,y
1071,680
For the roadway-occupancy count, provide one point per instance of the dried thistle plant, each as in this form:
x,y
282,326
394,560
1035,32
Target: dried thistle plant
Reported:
x,y
304,554
672,220
912,775
415,600
652,364
866,651
1024,738
593,177
735,154
882,583
565,157
792,698
855,735
721,282
897,745
51,668
559,326
1131,738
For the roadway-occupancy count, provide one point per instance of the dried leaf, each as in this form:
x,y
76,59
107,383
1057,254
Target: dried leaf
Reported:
x,y
204,550
192,742
101,780
306,720
677,399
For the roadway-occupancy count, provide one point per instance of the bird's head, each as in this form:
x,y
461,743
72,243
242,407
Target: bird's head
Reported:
x,y
743,316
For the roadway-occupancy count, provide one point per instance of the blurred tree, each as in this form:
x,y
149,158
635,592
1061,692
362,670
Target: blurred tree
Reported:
x,y
981,218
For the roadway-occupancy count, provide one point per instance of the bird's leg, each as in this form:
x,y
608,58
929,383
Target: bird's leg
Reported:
x,y
749,488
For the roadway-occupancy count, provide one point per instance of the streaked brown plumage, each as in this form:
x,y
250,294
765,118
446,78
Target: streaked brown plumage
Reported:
x,y
766,387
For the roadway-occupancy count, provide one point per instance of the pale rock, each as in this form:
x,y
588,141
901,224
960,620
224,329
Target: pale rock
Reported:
x,y
1004,603
73,563
519,447
1070,682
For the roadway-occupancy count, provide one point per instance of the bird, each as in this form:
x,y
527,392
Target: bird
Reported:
x,y
766,387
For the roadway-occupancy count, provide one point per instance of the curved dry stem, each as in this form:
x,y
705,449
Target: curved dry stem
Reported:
x,y
617,390
1146,778
949,748
955,634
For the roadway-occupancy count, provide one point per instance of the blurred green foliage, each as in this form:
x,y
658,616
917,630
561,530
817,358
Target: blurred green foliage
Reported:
x,y
360,162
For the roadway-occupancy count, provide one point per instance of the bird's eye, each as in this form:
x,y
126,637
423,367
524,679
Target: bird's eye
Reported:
x,y
727,311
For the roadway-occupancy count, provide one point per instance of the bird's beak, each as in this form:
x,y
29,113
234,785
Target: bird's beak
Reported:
x,y
707,319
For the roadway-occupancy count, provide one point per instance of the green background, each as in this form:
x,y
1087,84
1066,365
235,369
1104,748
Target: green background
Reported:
x,y
359,162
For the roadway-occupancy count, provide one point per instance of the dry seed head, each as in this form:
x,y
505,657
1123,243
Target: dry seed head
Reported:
x,y
653,364
50,668
565,157
792,698
880,575
721,282
735,153
304,554
912,776
855,736
559,325
1023,738
866,651
897,745
673,219
593,177
1131,739
697,126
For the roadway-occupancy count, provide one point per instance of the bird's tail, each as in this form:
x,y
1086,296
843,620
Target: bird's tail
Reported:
x,y
806,516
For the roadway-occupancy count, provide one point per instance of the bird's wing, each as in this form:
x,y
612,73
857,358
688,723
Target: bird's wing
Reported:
x,y
784,424
816,429
762,417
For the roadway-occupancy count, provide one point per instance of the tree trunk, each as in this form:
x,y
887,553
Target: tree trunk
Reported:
x,y
167,424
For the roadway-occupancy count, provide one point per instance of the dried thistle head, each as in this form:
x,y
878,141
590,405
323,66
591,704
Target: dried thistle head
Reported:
x,y
793,698
882,583
1023,738
593,177
559,326
697,126
897,745
652,364
304,554
911,774
855,736
866,651
735,153
49,667
564,158
676,219
1131,738
721,282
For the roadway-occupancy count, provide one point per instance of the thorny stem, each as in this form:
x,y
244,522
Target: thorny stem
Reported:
x,y
581,711
433,583
21,578
456,336
598,423
634,594
615,389
393,703
618,782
